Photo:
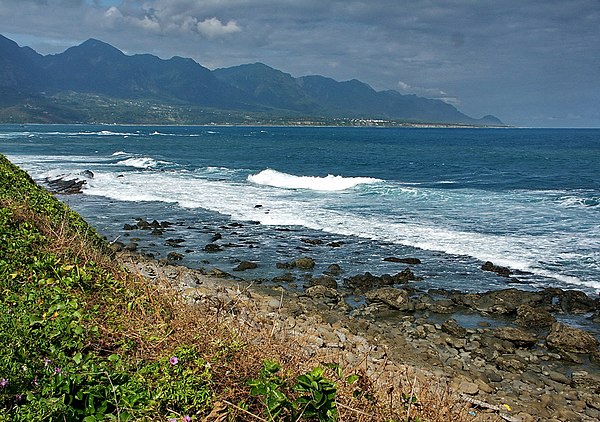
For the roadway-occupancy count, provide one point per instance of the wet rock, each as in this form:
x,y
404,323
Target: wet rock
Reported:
x,y
530,317
65,186
333,270
88,174
216,237
405,276
569,339
129,227
285,278
324,280
155,224
314,242
442,306
500,301
452,327
165,224
365,282
576,302
518,337
335,244
131,246
409,261
216,272
304,263
175,243
212,247
502,271
157,232
322,292
174,256
394,298
143,224
246,265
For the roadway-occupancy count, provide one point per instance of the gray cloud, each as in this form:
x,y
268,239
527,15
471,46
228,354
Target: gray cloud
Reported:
x,y
520,60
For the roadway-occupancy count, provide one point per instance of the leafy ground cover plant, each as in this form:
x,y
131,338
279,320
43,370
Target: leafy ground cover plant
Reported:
x,y
83,340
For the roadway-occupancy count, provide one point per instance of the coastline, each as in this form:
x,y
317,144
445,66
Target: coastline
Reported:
x,y
502,371
497,371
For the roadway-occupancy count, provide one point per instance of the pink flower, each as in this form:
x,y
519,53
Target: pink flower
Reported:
x,y
186,418
174,360
3,382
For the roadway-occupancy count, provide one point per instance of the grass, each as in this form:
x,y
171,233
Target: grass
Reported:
x,y
83,339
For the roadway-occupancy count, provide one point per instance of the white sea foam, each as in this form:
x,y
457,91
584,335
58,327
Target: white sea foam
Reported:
x,y
288,207
139,162
277,179
115,154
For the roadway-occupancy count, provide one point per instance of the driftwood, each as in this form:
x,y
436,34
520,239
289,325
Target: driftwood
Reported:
x,y
485,405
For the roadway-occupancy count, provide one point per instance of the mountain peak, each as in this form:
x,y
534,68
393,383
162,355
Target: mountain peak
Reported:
x,y
95,47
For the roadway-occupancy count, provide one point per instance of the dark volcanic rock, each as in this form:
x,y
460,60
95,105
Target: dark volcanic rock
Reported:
x,y
174,242
285,278
246,265
576,302
216,237
409,261
143,224
530,317
405,276
568,339
211,247
324,280
129,227
333,270
304,263
174,256
314,242
503,271
65,186
365,282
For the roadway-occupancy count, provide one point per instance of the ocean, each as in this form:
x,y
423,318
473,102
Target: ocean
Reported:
x,y
528,199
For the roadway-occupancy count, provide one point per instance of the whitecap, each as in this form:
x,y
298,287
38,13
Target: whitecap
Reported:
x,y
278,179
139,162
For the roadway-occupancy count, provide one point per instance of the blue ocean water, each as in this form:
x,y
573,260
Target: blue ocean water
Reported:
x,y
528,199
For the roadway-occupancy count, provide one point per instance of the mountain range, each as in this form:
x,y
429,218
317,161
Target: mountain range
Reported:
x,y
95,82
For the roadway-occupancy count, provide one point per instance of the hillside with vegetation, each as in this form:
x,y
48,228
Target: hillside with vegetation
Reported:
x,y
86,338
95,82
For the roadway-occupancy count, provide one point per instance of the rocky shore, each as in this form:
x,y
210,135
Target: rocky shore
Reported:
x,y
509,353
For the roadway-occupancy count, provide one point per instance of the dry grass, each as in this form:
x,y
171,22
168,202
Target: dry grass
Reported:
x,y
147,319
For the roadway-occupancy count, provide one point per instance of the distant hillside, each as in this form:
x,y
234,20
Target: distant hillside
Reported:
x,y
94,81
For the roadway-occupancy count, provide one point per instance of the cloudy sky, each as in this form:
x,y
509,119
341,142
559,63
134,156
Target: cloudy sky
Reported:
x,y
529,62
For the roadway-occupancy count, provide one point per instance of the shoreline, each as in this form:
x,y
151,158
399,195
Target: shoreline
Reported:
x,y
513,371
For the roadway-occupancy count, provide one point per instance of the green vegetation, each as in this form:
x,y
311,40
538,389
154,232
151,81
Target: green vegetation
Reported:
x,y
84,340
73,107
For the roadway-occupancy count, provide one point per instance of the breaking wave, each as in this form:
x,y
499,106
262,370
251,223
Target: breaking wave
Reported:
x,y
277,179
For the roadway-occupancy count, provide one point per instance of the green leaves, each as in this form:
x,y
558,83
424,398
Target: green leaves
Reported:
x,y
314,399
